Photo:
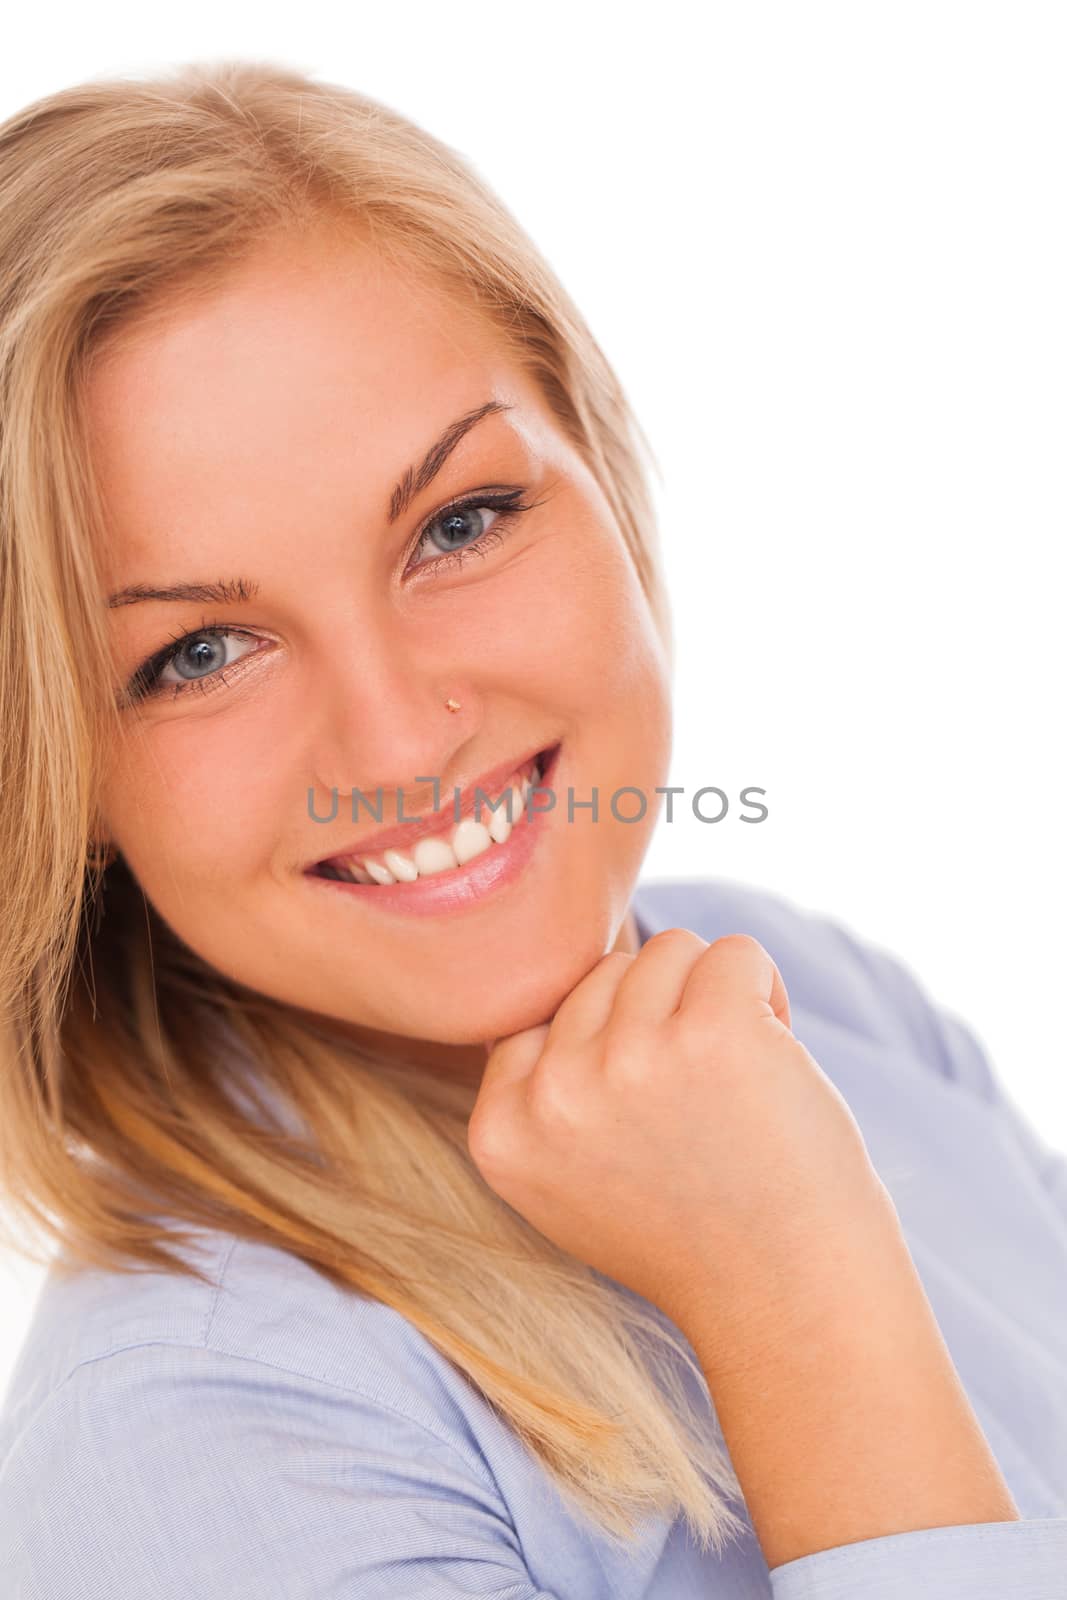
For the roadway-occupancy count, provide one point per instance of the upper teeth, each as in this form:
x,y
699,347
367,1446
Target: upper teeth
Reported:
x,y
441,852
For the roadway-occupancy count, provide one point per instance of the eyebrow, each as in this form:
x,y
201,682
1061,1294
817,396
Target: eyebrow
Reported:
x,y
411,483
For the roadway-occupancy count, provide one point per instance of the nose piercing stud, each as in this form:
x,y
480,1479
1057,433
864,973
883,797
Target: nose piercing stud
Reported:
x,y
452,705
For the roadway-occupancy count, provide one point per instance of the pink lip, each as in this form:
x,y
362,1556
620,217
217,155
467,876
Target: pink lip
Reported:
x,y
460,887
406,834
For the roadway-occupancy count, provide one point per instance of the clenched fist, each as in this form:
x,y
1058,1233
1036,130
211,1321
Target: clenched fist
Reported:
x,y
668,1129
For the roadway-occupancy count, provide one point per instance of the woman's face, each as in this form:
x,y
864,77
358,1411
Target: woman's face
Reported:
x,y
256,438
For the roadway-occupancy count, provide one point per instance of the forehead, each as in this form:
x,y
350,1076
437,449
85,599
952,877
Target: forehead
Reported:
x,y
321,304
313,358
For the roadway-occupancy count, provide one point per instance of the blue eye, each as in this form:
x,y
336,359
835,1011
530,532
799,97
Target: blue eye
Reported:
x,y
197,661
465,520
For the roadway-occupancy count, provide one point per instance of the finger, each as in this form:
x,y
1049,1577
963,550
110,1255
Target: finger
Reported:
x,y
730,975
651,988
513,1057
497,1120
587,1008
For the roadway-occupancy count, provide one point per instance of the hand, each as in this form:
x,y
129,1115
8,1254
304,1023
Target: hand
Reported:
x,y
667,1128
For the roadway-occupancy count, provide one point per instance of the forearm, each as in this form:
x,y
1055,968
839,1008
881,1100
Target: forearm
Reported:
x,y
838,1400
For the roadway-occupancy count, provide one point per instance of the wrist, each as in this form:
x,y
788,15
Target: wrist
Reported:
x,y
838,1401
791,1279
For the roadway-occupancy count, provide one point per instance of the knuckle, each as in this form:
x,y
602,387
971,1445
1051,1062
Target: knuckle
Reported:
x,y
551,1101
701,1034
627,1053
684,938
743,943
614,958
488,1142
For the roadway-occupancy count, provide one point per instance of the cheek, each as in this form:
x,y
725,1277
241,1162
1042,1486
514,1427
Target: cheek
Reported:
x,y
195,800
591,645
601,665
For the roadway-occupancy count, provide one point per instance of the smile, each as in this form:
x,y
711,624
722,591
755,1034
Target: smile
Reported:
x,y
459,864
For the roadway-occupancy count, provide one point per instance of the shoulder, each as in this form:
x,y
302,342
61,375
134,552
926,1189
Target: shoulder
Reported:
x,y
110,1338
262,1434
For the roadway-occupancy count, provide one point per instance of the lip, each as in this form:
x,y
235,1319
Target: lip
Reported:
x,y
406,834
462,889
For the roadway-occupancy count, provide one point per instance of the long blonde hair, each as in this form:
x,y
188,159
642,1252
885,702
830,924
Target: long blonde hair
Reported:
x,y
120,1115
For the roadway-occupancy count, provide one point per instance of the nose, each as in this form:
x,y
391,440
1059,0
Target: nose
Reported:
x,y
386,713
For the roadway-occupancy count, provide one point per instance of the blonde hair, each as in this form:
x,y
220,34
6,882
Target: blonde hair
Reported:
x,y
120,1113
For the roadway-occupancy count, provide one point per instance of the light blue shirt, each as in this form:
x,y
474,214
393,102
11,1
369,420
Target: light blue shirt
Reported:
x,y
271,1437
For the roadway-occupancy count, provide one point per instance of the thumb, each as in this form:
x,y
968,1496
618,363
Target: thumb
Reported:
x,y
514,1055
509,1062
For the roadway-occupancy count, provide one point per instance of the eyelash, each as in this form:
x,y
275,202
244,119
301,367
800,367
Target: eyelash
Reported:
x,y
509,506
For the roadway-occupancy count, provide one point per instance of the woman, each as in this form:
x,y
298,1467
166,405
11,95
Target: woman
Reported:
x,y
437,1212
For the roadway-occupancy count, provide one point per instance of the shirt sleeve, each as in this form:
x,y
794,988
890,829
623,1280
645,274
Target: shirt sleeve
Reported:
x,y
948,1046
1021,1560
166,1471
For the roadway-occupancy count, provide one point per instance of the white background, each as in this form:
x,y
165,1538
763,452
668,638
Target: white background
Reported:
x,y
824,247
